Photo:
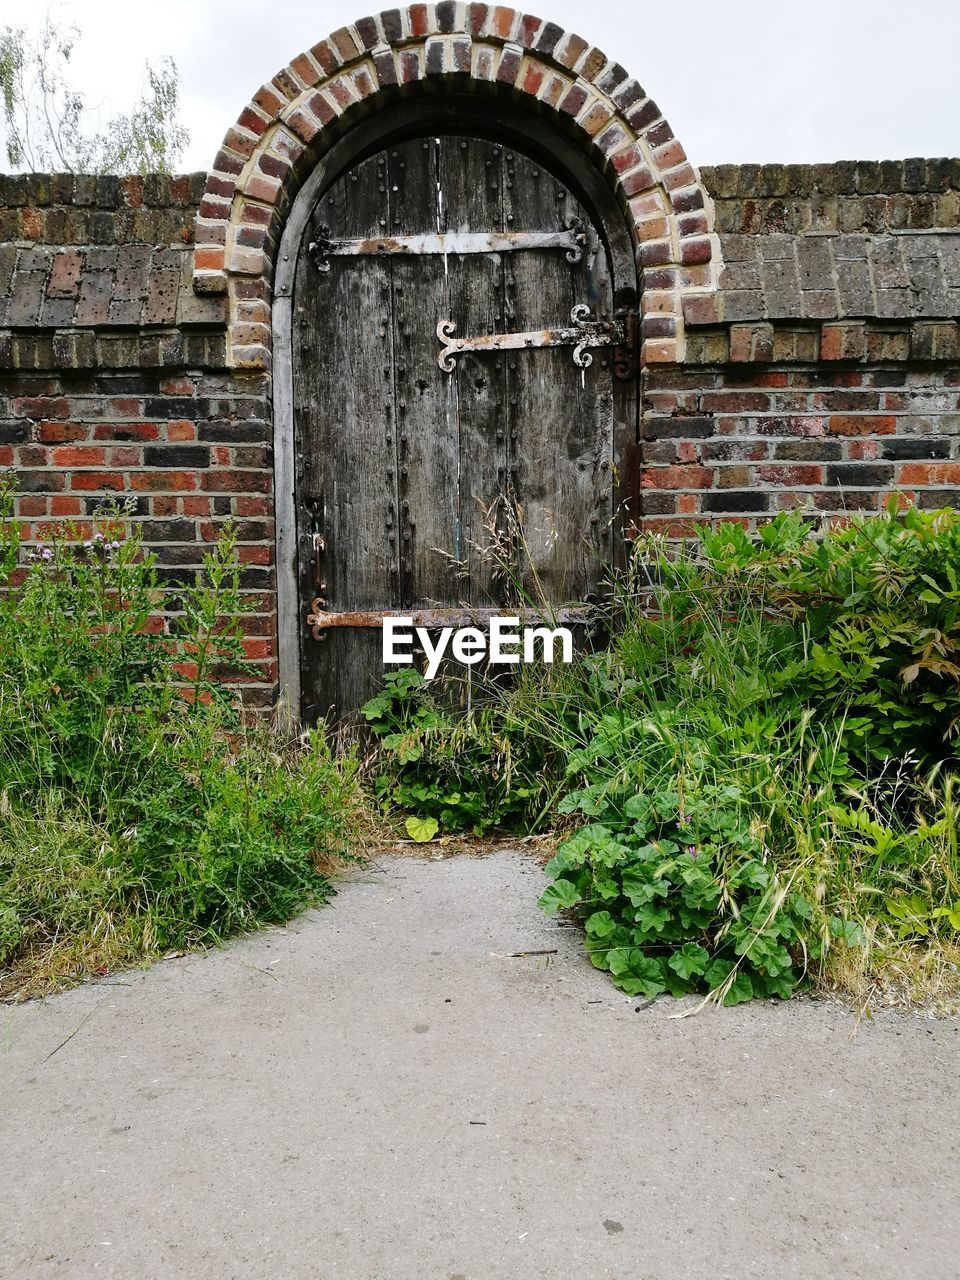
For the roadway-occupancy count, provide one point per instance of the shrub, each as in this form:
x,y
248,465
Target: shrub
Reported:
x,y
443,762
759,763
871,615
138,811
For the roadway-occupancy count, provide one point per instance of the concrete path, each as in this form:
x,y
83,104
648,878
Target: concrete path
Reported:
x,y
382,1091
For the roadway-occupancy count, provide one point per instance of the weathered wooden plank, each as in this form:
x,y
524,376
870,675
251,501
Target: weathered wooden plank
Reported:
x,y
426,399
344,403
471,182
560,418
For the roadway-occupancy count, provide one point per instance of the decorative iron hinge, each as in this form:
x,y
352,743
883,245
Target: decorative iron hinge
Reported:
x,y
573,239
581,335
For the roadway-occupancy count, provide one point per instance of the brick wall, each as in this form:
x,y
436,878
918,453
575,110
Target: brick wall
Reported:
x,y
725,443
185,451
823,373
113,385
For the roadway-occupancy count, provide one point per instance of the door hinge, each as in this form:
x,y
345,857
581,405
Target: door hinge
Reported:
x,y
320,620
582,334
572,239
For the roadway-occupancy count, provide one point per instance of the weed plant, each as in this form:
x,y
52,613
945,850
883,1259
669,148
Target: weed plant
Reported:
x,y
139,812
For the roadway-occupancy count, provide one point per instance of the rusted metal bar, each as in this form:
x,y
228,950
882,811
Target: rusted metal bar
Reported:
x,y
581,335
572,239
320,620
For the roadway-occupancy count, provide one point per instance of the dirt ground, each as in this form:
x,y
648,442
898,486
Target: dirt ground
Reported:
x,y
386,1089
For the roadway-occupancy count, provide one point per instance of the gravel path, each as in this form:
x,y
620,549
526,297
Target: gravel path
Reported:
x,y
382,1090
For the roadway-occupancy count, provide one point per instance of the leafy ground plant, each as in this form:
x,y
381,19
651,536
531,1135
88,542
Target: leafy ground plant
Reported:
x,y
139,812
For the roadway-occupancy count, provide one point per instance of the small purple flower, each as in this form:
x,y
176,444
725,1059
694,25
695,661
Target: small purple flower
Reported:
x,y
692,850
47,553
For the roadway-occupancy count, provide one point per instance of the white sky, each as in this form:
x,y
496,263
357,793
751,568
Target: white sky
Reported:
x,y
739,80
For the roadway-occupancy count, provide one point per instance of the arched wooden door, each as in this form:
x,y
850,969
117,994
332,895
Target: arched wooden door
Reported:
x,y
431,476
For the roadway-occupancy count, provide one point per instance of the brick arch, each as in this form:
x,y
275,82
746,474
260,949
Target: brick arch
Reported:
x,y
279,137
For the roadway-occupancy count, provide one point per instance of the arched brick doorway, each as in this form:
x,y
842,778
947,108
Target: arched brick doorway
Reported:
x,y
485,71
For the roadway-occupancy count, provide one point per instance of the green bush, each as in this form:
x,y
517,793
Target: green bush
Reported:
x,y
443,762
138,811
758,766
869,614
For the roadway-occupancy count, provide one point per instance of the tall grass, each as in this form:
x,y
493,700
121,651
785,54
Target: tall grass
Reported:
x,y
139,811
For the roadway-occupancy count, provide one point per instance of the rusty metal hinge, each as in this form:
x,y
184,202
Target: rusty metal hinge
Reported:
x,y
572,238
321,620
582,334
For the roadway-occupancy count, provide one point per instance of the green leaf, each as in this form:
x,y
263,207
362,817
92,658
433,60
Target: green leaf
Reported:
x,y
422,830
642,975
691,960
601,924
652,919
560,894
848,932
741,990
949,913
640,885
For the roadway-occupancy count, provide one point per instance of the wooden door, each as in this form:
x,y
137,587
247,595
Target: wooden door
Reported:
x,y
488,482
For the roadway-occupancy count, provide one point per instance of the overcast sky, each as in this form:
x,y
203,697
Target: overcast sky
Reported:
x,y
739,80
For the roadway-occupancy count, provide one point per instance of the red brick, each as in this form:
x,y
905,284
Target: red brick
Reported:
x,y
77,456
96,481
734,401
677,478
59,432
251,506
64,278
669,528
570,51
128,455
132,190
258,648
533,78
793,476
694,251
125,430
255,554
62,505
325,57
863,450
38,407
305,69
862,425
159,481
128,407
236,481
32,224
930,473
207,257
